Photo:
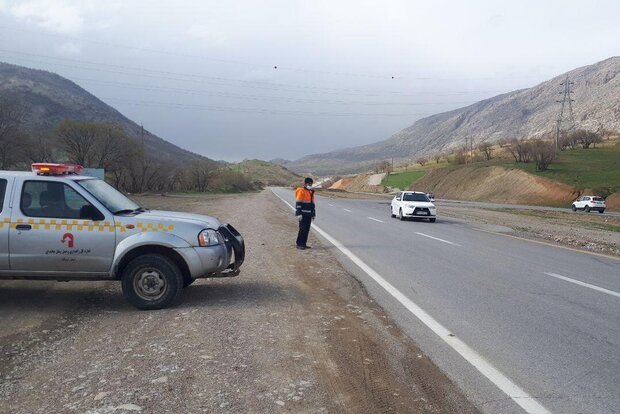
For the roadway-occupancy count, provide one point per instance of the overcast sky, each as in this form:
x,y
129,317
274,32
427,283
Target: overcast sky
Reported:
x,y
202,74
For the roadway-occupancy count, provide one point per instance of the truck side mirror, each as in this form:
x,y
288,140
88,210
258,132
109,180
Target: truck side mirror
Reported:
x,y
89,212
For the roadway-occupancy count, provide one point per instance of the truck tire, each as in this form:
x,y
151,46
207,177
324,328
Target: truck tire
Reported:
x,y
151,281
432,220
187,280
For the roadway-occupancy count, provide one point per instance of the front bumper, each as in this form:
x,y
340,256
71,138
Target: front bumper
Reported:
x,y
235,244
420,212
222,260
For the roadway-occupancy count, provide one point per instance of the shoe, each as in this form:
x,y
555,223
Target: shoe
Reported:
x,y
308,247
301,247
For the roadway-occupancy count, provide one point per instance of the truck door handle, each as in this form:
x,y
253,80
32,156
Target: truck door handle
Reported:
x,y
23,227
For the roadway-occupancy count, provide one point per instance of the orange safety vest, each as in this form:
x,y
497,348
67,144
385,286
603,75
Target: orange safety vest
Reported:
x,y
303,195
304,202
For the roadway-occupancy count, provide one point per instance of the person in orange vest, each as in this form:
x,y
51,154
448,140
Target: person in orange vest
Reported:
x,y
304,210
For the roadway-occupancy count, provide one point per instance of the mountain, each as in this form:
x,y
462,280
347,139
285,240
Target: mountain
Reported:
x,y
523,113
52,99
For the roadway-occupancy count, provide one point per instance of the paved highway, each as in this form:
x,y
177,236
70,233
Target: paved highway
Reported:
x,y
519,325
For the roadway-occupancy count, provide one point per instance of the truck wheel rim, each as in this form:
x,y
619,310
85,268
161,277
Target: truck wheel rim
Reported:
x,y
149,284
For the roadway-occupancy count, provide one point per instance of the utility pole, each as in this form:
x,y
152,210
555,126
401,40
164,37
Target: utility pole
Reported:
x,y
566,111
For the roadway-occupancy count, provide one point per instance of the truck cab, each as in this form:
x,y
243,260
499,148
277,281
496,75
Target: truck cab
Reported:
x,y
56,224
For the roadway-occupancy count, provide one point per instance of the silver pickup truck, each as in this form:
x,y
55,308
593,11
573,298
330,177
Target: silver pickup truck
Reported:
x,y
70,227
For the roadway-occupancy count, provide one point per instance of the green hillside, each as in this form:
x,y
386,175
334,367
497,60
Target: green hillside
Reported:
x,y
403,180
594,168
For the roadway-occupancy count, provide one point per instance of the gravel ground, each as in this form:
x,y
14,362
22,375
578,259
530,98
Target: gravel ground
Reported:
x,y
293,333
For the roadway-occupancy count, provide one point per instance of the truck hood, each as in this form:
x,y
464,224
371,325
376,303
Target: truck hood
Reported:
x,y
189,218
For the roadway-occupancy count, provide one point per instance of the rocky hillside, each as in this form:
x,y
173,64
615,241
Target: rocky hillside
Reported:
x,y
523,113
52,99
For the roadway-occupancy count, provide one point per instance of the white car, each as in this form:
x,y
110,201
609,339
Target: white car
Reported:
x,y
589,203
413,204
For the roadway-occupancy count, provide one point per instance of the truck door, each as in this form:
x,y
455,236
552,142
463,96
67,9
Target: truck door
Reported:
x,y
54,228
5,219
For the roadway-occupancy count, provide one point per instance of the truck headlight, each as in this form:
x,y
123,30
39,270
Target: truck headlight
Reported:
x,y
208,237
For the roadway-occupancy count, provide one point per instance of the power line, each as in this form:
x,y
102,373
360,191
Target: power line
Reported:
x,y
275,66
194,92
187,77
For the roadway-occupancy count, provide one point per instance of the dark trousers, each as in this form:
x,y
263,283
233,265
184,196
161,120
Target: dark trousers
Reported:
x,y
304,230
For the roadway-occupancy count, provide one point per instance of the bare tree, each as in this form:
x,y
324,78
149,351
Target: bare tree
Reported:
x,y
77,140
422,161
437,157
12,139
486,148
520,149
586,138
543,152
460,155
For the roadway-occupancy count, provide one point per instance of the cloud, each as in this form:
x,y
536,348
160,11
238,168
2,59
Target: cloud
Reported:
x,y
55,15
68,49
69,17
206,34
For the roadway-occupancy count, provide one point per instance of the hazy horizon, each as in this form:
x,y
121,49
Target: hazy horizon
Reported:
x,y
285,79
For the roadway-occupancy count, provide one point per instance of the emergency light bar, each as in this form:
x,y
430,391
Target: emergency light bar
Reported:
x,y
43,168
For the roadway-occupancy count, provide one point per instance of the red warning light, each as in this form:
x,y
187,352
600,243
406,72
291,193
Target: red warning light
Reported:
x,y
44,168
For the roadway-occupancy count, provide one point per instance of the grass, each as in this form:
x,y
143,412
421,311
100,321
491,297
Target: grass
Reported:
x,y
594,168
403,180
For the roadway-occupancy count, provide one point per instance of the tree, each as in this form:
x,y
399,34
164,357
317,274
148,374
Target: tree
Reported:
x,y
437,157
12,139
460,155
520,149
383,167
543,152
77,139
486,148
421,161
585,138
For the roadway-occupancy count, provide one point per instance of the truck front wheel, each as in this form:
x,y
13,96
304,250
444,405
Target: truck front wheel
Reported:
x,y
151,281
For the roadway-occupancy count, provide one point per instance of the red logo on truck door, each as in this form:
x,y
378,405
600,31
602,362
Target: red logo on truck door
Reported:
x,y
68,238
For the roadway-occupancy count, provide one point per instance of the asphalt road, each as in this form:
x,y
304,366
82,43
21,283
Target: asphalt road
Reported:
x,y
527,322
477,204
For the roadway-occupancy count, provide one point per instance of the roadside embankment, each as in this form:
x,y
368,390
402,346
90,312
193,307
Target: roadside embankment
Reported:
x,y
496,184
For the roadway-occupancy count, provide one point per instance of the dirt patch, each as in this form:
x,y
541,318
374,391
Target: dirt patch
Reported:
x,y
293,333
613,202
496,184
341,184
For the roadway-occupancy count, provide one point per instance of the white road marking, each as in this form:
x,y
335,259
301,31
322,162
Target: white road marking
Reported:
x,y
437,238
348,211
577,282
330,204
371,218
518,395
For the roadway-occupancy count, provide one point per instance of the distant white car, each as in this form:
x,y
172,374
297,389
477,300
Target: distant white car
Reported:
x,y
413,204
590,203
431,196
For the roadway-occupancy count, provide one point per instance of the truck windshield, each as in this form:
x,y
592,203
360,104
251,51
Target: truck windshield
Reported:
x,y
114,200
